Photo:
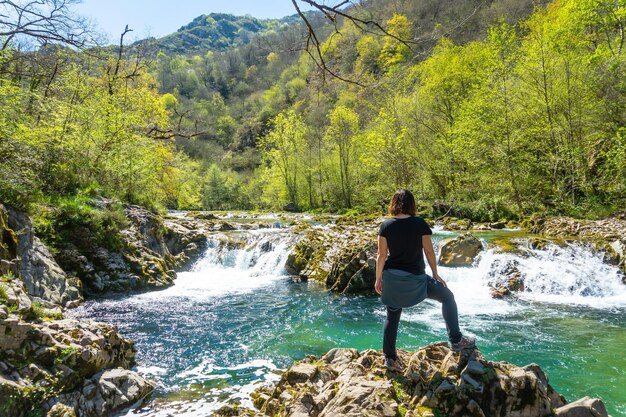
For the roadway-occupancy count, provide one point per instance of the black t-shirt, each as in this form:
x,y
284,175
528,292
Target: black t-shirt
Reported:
x,y
404,239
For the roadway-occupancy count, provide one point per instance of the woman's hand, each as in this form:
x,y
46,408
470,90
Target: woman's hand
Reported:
x,y
378,286
440,280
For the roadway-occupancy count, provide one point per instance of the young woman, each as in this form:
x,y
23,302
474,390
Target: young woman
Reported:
x,y
400,274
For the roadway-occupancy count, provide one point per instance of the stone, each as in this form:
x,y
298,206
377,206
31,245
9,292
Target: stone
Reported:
x,y
301,373
584,407
44,280
460,251
497,225
61,410
107,392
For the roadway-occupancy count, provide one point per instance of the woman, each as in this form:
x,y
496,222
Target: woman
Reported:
x,y
400,274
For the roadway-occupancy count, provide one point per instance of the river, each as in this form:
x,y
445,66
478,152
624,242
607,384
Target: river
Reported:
x,y
236,318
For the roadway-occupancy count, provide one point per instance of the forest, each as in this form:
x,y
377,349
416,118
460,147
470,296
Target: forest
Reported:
x,y
494,110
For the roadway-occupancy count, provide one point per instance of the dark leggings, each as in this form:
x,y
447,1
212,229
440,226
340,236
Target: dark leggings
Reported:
x,y
436,291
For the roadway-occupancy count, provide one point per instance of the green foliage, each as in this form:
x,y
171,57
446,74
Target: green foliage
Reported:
x,y
81,220
4,297
7,277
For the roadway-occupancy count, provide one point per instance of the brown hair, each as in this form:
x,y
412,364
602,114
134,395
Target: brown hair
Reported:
x,y
402,202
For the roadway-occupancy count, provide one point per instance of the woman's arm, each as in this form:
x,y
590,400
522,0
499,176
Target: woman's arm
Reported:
x,y
380,263
429,251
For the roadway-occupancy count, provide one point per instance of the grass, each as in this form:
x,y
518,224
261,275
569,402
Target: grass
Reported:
x,y
37,311
3,293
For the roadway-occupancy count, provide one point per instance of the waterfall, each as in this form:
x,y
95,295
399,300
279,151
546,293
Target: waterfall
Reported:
x,y
233,263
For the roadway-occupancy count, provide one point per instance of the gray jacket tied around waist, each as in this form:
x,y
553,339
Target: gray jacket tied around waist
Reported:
x,y
403,289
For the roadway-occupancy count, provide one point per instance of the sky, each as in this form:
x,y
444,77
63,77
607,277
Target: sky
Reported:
x,y
162,17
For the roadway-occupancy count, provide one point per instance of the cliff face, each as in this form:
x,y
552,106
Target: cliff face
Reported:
x,y
433,381
27,257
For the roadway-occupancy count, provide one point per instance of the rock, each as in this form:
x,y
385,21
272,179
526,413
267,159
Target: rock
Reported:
x,y
291,207
105,393
538,243
504,278
60,355
585,407
452,223
497,225
61,410
341,255
43,278
354,270
345,382
141,260
460,251
225,227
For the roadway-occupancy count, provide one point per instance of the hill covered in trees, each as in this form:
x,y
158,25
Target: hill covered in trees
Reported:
x,y
216,32
499,108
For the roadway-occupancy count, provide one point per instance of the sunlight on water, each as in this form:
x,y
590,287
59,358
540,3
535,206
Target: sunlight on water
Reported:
x,y
235,318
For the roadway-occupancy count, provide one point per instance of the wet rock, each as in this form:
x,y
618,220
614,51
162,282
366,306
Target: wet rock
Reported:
x,y
460,251
504,278
585,407
538,243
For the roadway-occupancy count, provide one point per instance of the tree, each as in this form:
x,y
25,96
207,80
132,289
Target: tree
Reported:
x,y
282,147
342,131
44,21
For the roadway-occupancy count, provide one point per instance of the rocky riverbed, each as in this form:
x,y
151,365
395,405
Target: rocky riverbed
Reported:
x,y
61,366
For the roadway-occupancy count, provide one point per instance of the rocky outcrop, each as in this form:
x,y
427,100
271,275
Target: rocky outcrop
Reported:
x,y
186,238
140,261
434,381
27,257
149,250
343,256
103,394
460,251
42,360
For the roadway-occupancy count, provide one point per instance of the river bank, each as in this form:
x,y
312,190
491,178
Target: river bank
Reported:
x,y
264,241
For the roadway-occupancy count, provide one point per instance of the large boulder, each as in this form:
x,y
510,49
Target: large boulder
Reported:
x,y
43,278
343,255
433,381
103,394
585,407
354,270
460,251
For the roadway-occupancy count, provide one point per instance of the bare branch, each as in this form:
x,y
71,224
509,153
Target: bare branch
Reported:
x,y
46,21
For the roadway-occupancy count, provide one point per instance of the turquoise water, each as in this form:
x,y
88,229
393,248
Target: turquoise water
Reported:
x,y
228,325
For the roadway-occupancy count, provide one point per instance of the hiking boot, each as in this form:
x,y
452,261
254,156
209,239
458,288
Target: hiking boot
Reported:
x,y
393,364
464,343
